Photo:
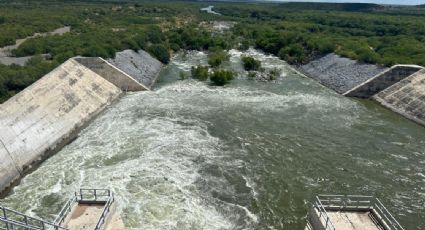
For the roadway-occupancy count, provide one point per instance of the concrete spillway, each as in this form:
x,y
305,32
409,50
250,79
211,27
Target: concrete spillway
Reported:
x,y
48,114
406,97
399,88
382,81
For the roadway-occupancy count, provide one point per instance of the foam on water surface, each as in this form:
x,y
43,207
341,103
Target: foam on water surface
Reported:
x,y
250,155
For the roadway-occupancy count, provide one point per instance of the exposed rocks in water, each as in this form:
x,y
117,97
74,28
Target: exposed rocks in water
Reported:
x,y
340,74
263,75
140,65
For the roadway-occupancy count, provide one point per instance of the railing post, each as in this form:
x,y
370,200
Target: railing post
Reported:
x,y
5,217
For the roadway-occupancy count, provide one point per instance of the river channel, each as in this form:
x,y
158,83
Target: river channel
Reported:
x,y
250,155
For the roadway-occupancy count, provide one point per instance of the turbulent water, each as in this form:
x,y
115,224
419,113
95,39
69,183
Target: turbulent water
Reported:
x,y
250,155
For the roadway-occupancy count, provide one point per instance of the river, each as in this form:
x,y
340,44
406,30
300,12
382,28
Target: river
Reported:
x,y
250,155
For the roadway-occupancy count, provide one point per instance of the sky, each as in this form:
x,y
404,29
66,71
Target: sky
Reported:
x,y
398,2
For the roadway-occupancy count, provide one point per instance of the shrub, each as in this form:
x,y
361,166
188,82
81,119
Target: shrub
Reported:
x,y
250,63
182,75
160,52
221,77
274,74
292,54
252,75
200,72
217,57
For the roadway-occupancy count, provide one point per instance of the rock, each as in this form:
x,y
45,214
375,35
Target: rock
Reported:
x,y
340,74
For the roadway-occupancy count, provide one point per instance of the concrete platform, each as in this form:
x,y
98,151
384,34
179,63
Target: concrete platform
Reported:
x,y
350,212
353,220
85,216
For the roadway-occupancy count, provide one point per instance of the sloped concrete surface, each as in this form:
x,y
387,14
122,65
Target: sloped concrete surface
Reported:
x,y
41,118
406,97
338,73
382,81
139,65
111,73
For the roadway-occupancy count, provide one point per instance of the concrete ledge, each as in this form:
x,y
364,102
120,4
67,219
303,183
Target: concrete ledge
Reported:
x,y
382,81
47,115
111,73
406,97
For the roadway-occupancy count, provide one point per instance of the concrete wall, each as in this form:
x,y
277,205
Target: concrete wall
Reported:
x,y
48,114
406,97
382,81
140,65
111,73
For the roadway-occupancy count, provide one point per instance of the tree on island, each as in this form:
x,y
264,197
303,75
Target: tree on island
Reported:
x,y
200,72
216,57
221,77
250,63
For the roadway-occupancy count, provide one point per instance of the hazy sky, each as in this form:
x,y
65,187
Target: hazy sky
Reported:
x,y
399,2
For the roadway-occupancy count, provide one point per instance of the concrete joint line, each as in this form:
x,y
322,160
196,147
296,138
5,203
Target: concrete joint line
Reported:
x,y
10,156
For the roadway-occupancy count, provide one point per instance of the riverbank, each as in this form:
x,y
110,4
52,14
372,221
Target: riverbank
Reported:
x,y
397,88
339,73
6,57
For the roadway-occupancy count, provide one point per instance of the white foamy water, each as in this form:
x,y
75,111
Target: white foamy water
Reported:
x,y
250,155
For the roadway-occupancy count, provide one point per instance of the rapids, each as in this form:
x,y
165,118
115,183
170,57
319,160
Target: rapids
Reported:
x,y
250,155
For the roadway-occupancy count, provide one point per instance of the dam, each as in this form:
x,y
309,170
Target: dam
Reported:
x,y
398,88
47,115
251,155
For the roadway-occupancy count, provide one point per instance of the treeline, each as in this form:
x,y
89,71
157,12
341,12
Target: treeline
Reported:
x,y
296,32
99,29
300,36
16,78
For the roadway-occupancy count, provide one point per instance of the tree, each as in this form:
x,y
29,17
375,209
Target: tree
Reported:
x,y
221,77
293,53
250,63
217,57
160,52
200,72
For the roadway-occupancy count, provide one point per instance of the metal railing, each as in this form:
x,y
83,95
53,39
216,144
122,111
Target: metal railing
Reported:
x,y
103,196
105,213
323,215
66,209
324,203
13,220
93,195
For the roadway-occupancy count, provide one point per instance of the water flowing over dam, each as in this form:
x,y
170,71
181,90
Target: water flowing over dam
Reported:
x,y
250,155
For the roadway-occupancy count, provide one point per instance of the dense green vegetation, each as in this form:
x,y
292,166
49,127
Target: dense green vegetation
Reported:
x,y
216,57
250,63
200,72
296,32
372,34
217,76
221,77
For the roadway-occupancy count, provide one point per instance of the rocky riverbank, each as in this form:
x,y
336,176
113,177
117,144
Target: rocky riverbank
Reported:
x,y
339,73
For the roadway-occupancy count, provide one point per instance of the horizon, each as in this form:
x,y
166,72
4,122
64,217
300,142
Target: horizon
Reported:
x,y
387,2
